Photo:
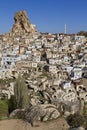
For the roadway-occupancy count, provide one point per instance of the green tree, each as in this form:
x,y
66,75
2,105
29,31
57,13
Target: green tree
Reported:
x,y
82,33
21,93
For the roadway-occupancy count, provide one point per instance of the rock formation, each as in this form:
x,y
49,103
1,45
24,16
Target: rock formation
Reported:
x,y
17,113
22,23
41,112
22,29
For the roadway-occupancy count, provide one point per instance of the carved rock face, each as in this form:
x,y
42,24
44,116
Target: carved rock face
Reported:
x,y
22,23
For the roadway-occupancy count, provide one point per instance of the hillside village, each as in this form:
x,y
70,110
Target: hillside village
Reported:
x,y
54,65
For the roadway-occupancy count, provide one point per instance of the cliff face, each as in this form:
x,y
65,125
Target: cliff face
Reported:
x,y
22,23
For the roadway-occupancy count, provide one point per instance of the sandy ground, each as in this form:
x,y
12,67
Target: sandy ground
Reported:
x,y
16,124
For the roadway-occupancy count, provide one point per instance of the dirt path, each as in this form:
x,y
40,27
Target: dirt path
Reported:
x,y
15,124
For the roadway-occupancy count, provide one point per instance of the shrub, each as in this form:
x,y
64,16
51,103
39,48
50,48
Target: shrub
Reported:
x,y
12,104
3,109
75,120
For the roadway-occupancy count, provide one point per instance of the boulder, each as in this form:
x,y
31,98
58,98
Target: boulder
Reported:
x,y
79,128
41,112
17,113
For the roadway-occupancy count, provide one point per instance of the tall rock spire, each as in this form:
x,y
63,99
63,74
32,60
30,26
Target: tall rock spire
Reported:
x,y
22,23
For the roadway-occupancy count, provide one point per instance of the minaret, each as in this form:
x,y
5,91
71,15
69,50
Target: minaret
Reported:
x,y
65,29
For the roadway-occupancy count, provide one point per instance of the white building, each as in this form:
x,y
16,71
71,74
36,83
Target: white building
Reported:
x,y
76,73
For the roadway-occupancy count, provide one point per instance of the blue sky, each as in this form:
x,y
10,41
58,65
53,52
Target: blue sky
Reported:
x,y
48,15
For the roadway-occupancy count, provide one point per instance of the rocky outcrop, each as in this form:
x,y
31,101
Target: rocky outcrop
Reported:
x,y
42,112
17,113
22,23
22,29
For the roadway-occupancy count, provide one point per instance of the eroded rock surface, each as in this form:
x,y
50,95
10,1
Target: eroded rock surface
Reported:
x,y
42,112
22,23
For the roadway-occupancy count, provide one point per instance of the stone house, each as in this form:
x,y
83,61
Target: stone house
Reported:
x,y
34,65
52,69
